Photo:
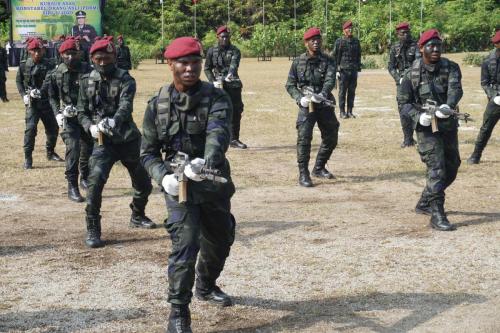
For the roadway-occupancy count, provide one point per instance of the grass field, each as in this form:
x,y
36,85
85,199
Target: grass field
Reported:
x,y
347,255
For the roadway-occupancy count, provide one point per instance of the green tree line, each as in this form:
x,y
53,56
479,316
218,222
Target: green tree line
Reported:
x,y
467,25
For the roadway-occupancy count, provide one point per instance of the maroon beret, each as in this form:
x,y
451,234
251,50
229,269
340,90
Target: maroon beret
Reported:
x,y
35,44
496,39
427,36
103,44
347,24
120,37
311,32
183,46
222,29
68,44
403,25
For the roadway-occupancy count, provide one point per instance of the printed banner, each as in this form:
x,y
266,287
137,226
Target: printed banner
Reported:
x,y
51,18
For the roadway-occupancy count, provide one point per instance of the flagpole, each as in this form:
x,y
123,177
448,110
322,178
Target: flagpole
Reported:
x,y
162,25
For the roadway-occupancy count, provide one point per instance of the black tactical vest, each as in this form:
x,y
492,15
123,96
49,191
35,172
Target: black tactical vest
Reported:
x,y
319,72
493,68
68,91
105,105
183,130
424,89
405,55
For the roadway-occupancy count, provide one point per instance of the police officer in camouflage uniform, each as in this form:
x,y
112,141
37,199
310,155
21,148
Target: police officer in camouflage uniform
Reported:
x,y
192,117
316,70
439,79
63,86
123,55
30,84
4,67
401,56
347,56
105,106
490,81
221,68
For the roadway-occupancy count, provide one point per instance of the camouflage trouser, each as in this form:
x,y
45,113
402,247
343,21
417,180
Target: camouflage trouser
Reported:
x,y
439,151
3,79
490,119
406,121
207,228
33,116
329,128
102,160
347,88
235,95
78,149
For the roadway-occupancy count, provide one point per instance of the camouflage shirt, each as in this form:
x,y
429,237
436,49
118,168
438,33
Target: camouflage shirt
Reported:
x,y
401,57
123,57
32,76
112,98
64,85
347,53
490,74
195,123
314,71
441,82
221,62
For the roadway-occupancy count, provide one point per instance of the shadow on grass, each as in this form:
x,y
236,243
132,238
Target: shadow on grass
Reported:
x,y
64,320
346,313
8,251
134,240
258,229
416,177
478,218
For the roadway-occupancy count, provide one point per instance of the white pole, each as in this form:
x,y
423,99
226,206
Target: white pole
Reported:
x,y
195,34
228,14
359,19
326,19
162,25
390,21
421,16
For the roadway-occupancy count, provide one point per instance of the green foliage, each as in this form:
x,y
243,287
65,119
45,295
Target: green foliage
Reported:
x,y
466,25
474,59
370,62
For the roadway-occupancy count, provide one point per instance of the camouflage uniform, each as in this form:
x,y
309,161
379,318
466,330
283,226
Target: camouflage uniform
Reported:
x,y
490,81
63,87
195,123
347,56
220,62
439,151
112,98
401,57
32,76
123,57
4,67
319,73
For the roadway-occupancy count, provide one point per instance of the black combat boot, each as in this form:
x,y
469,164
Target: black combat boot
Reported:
x,y
304,177
439,221
423,207
94,232
52,156
238,144
74,192
212,295
343,115
179,320
28,161
141,221
475,157
84,183
320,171
349,113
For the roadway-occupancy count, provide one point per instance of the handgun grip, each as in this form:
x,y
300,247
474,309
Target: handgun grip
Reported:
x,y
100,138
183,191
311,107
434,124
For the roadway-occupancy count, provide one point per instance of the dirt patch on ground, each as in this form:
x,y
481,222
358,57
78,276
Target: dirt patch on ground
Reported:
x,y
348,255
